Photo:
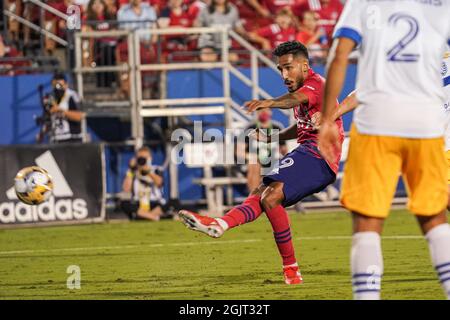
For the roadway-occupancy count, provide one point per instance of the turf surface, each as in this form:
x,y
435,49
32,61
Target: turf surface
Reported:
x,y
164,260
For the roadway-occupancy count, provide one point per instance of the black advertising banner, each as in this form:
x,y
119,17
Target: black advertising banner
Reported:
x,y
78,176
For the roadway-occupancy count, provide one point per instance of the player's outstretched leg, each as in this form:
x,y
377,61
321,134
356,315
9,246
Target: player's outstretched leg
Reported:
x,y
271,201
437,233
246,212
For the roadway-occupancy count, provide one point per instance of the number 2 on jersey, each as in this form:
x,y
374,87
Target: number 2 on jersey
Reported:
x,y
396,53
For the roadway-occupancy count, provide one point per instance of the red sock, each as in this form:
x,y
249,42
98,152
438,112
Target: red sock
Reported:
x,y
282,232
248,211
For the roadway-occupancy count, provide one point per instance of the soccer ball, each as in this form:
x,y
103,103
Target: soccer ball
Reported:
x,y
33,185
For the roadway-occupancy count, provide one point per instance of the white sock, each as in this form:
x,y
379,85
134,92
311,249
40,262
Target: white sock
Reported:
x,y
223,224
367,265
439,242
291,265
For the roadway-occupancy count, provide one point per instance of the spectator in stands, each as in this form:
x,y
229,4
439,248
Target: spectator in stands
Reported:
x,y
144,181
284,29
176,14
102,50
7,53
220,12
83,4
65,112
254,15
156,4
328,12
313,36
141,16
111,9
14,6
138,15
59,25
196,6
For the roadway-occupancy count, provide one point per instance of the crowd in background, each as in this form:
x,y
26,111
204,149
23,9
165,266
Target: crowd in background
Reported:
x,y
265,23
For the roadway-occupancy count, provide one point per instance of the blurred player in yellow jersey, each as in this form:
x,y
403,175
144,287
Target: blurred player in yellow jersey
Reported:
x,y
398,127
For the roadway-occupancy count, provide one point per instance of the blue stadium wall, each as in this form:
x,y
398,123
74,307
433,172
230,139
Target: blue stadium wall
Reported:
x,y
19,104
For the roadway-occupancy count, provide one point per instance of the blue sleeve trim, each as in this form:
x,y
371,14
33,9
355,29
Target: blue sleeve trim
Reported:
x,y
446,81
348,33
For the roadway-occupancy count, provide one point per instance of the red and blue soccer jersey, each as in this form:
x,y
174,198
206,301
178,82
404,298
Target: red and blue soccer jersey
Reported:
x,y
313,87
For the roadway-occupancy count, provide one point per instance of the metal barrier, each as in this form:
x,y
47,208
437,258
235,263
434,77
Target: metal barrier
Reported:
x,y
141,107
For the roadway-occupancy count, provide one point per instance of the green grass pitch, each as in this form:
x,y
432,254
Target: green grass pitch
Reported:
x,y
142,260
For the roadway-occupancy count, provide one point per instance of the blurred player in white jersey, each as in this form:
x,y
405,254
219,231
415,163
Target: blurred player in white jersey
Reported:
x,y
446,79
398,126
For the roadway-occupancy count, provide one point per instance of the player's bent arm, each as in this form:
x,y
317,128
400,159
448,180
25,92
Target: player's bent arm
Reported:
x,y
286,101
348,104
289,100
336,76
286,134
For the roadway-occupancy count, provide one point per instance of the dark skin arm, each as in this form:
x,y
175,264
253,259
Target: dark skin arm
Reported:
x,y
286,101
329,135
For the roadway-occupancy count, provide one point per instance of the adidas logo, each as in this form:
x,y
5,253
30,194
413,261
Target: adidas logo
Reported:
x,y
63,208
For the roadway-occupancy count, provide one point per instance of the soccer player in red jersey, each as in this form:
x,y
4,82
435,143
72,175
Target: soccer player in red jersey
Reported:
x,y
299,174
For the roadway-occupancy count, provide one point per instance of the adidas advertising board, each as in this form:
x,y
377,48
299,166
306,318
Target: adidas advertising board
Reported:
x,y
78,175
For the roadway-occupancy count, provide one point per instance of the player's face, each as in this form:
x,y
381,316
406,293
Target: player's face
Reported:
x,y
293,71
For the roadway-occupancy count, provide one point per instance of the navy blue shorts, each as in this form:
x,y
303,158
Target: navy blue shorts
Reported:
x,y
302,175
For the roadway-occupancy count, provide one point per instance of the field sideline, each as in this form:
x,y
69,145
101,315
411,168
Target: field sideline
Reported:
x,y
142,260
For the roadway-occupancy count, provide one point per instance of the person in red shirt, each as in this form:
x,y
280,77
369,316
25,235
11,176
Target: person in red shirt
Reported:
x,y
312,36
284,29
11,67
253,13
56,24
176,14
196,6
328,12
300,173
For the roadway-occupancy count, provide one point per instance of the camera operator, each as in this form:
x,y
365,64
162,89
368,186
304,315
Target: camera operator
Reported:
x,y
145,182
64,112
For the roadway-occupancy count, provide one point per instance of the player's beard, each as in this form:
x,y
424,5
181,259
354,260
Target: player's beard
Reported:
x,y
297,84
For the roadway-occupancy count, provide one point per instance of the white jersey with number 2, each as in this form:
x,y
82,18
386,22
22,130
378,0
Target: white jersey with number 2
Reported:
x,y
399,82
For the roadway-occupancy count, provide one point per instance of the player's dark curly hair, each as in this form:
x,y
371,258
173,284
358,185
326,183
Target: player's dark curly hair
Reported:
x,y
291,47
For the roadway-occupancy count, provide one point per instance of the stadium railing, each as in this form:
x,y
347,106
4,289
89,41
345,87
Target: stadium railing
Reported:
x,y
141,107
